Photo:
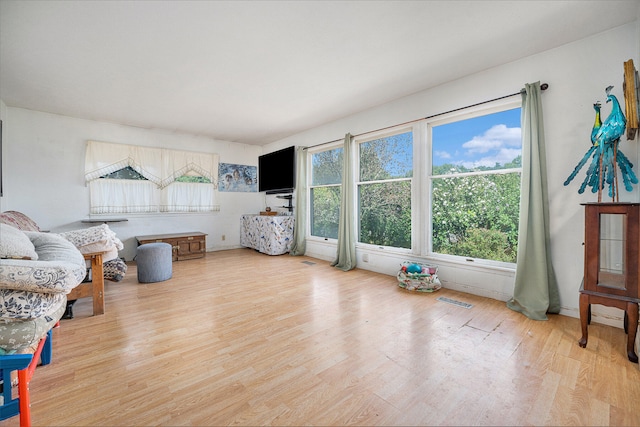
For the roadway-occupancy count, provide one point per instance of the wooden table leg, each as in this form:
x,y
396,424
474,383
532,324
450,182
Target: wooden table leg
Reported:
x,y
97,277
584,319
632,322
94,288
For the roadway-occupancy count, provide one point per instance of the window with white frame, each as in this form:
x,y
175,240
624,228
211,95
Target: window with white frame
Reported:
x,y
385,175
465,203
325,191
476,164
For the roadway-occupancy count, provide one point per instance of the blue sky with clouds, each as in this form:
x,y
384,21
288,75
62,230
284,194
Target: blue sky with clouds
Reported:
x,y
480,141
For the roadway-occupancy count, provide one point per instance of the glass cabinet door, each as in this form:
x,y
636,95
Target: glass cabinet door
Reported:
x,y
611,269
612,234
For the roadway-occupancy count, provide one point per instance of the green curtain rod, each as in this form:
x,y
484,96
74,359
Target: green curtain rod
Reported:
x,y
543,86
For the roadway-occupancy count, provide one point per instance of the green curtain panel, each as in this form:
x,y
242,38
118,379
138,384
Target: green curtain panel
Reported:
x,y
346,253
299,245
536,290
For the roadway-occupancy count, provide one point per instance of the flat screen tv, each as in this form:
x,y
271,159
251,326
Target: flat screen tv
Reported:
x,y
277,171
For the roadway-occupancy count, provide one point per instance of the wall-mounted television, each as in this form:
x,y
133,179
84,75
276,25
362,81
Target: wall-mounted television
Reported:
x,y
277,171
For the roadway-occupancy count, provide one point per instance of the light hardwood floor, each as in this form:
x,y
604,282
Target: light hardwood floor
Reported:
x,y
242,338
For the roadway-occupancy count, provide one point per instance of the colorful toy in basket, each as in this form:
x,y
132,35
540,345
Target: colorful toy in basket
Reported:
x,y
418,277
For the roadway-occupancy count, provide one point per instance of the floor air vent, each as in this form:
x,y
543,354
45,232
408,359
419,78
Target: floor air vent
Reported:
x,y
454,302
309,262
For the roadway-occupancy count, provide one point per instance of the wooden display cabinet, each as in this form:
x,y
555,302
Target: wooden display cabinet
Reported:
x,y
188,245
611,259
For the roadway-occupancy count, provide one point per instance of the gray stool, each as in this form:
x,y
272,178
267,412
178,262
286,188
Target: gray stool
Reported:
x,y
154,262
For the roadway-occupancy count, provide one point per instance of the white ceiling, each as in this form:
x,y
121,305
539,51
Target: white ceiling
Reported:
x,y
257,71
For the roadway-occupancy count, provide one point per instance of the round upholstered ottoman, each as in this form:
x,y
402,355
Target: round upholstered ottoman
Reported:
x,y
154,262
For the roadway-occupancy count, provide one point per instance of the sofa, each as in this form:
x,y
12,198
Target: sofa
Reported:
x,y
89,240
93,239
37,271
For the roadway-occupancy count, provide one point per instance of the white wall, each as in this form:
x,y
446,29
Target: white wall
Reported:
x,y
43,158
3,110
577,74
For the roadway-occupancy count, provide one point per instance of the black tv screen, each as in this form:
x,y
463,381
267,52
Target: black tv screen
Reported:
x,y
277,171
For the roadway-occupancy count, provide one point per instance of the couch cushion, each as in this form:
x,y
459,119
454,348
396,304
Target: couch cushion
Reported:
x,y
14,244
53,247
28,305
114,270
18,220
40,276
94,239
18,335
59,269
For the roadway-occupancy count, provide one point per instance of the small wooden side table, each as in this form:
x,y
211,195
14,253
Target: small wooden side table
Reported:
x,y
94,288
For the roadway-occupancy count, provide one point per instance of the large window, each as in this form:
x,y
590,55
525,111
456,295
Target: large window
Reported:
x,y
384,190
475,186
326,180
446,186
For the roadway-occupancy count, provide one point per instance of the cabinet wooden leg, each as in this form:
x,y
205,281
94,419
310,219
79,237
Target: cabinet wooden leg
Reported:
x,y
625,322
584,319
631,314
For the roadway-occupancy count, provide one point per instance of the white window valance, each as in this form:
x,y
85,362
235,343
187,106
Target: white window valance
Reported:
x,y
159,165
103,158
178,163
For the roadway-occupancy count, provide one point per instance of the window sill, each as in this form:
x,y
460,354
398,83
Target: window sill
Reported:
x,y
494,266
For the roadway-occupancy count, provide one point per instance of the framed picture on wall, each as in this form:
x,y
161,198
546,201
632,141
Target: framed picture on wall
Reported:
x,y
237,178
631,86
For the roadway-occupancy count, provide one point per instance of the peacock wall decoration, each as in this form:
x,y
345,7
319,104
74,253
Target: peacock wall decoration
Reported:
x,y
606,157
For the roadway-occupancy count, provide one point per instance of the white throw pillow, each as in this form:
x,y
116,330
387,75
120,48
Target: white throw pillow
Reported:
x,y
14,244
